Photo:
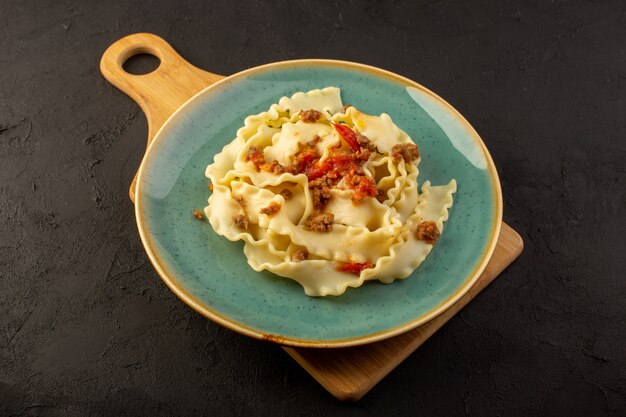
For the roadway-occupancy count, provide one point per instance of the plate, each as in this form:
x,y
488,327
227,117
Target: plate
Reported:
x,y
211,274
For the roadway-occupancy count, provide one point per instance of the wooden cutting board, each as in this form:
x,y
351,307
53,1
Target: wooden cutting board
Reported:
x,y
347,373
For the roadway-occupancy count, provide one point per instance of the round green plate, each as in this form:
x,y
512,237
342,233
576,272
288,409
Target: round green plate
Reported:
x,y
210,273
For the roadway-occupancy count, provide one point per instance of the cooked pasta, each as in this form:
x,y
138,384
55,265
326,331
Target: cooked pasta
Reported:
x,y
326,195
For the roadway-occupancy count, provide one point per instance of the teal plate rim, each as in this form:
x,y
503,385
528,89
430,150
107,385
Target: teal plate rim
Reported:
x,y
201,307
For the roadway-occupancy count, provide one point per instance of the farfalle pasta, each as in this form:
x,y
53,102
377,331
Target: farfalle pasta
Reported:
x,y
326,195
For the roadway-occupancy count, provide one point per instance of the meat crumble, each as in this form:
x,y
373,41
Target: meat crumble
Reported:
x,y
407,151
319,222
241,221
198,215
323,181
363,187
240,200
381,195
286,193
316,139
355,267
362,155
270,210
320,197
320,191
365,142
303,160
274,167
428,232
300,255
255,155
326,174
310,116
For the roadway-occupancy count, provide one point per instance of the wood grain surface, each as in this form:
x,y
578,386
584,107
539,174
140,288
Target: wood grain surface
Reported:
x,y
161,92
346,373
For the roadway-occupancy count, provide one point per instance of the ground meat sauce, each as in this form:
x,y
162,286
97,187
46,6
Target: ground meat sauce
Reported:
x,y
325,175
325,180
316,139
363,187
428,232
310,116
198,215
303,160
354,267
365,142
319,222
407,151
381,195
300,255
240,200
320,197
273,167
329,172
287,194
362,155
255,155
270,210
241,221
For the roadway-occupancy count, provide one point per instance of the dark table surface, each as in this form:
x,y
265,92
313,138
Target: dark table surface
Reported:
x,y
88,328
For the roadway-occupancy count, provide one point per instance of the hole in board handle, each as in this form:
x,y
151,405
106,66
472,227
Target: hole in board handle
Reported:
x,y
141,64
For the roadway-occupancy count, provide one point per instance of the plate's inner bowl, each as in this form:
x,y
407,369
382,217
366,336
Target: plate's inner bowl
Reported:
x,y
211,273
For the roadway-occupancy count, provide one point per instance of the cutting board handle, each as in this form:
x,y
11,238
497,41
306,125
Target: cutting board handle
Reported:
x,y
161,92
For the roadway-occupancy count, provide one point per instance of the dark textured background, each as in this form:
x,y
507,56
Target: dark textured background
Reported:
x,y
88,328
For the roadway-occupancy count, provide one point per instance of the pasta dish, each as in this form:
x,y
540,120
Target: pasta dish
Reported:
x,y
326,195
